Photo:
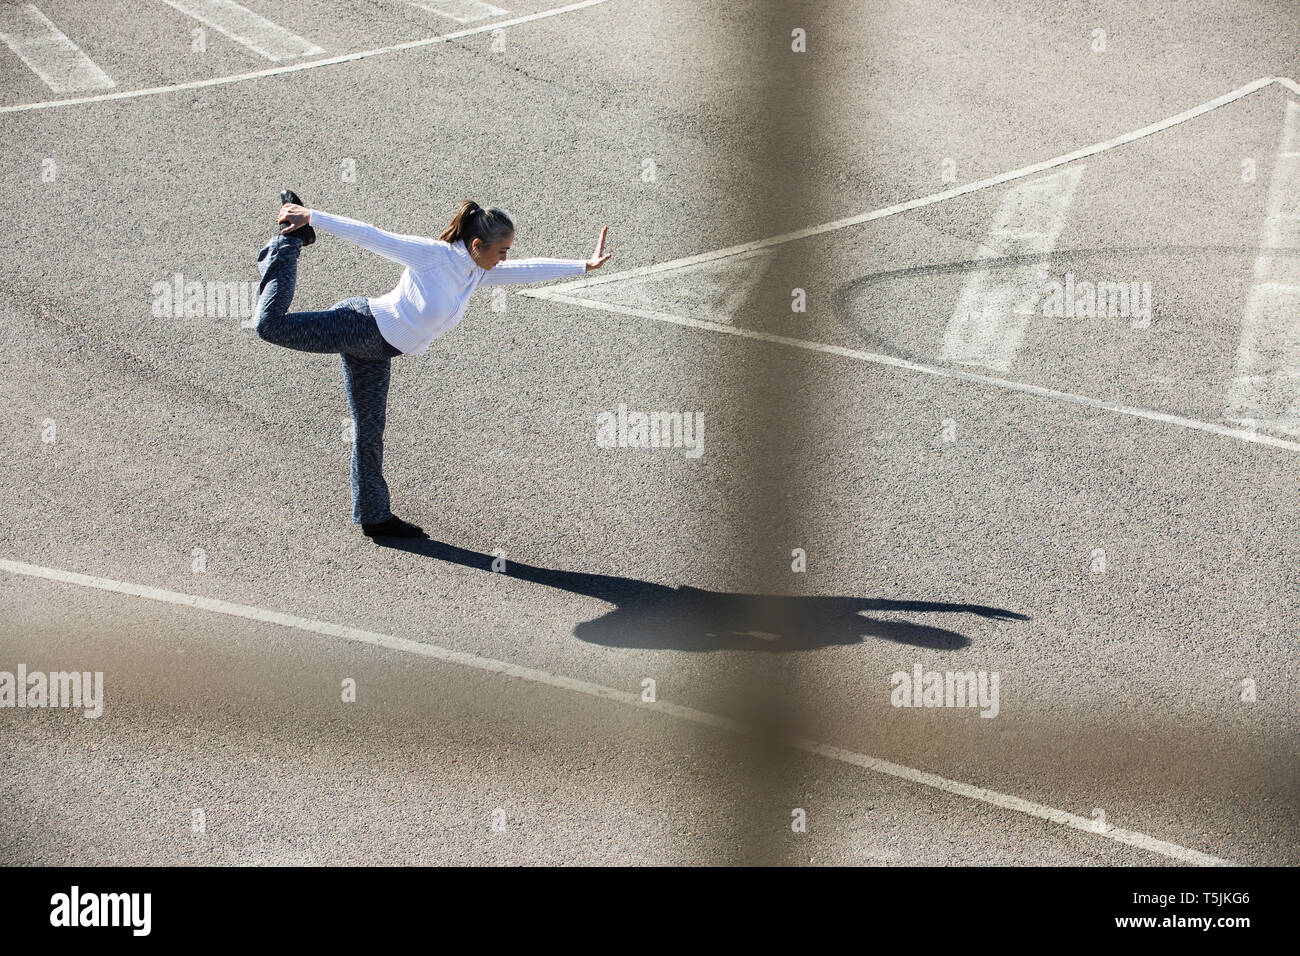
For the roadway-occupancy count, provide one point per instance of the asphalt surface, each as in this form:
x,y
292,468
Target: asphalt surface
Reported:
x,y
184,442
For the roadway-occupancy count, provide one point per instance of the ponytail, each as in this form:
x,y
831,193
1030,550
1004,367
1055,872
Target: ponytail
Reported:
x,y
472,222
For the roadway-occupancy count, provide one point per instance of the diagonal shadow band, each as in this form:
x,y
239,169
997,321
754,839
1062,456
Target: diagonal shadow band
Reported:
x,y
658,617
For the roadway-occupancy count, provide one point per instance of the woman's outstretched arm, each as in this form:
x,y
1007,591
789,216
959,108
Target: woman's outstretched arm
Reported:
x,y
412,251
539,270
533,270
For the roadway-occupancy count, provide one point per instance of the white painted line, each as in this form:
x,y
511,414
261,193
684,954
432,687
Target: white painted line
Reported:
x,y
734,289
930,200
463,11
247,28
715,289
562,292
1265,391
48,53
1130,837
294,67
1243,434
994,308
633,699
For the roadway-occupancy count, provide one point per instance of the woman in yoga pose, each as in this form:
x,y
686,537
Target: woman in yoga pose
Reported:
x,y
430,298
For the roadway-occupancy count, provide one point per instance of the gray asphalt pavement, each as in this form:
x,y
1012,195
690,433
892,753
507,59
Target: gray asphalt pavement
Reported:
x,y
1127,571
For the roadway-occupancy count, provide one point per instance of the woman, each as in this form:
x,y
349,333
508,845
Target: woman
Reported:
x,y
429,299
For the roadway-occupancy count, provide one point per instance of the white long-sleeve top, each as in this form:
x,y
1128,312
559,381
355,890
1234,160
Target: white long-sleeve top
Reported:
x,y
431,296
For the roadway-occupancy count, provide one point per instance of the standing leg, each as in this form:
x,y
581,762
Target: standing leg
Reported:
x,y
348,328
366,382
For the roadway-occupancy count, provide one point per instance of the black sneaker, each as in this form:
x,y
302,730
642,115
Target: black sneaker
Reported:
x,y
306,233
394,527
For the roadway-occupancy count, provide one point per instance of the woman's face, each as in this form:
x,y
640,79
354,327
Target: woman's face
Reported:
x,y
487,255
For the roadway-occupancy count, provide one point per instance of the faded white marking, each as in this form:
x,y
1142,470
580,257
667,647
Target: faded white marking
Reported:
x,y
920,777
295,67
569,292
48,52
995,306
247,28
1265,391
712,290
929,200
463,11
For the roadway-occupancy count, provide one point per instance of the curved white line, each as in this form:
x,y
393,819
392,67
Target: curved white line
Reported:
x,y
571,292
933,198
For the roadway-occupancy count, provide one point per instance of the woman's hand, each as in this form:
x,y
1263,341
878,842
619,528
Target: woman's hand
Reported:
x,y
294,216
600,256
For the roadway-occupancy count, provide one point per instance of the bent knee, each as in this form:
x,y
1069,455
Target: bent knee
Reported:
x,y
268,327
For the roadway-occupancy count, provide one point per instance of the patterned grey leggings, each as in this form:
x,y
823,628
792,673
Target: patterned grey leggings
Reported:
x,y
349,329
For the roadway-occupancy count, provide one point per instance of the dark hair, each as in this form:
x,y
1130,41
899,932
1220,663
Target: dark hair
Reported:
x,y
472,222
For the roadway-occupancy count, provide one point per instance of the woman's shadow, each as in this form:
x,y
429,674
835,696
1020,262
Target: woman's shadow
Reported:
x,y
655,616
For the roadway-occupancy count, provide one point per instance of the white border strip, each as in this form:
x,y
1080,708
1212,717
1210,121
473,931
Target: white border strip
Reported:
x,y
50,53
1267,384
294,67
470,9
247,28
1129,837
996,306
